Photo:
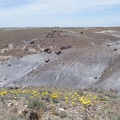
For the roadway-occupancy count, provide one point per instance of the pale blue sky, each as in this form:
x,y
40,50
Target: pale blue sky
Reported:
x,y
50,13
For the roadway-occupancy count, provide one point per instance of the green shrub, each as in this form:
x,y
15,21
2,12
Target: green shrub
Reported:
x,y
55,100
55,113
80,92
37,104
13,118
63,114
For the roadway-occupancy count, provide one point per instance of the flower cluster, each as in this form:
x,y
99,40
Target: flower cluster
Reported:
x,y
73,97
55,95
3,92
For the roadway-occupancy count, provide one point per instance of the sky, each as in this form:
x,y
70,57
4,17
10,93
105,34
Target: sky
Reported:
x,y
59,13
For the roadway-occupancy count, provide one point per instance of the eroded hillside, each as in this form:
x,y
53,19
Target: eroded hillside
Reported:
x,y
76,58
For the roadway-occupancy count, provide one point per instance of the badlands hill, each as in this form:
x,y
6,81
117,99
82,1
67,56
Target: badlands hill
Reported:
x,y
77,58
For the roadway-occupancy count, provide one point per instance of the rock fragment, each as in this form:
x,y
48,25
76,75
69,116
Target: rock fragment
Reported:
x,y
33,115
9,65
47,60
32,42
46,49
57,52
115,49
81,32
11,46
65,47
10,104
49,51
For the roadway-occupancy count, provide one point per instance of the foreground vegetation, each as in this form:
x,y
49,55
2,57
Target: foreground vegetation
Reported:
x,y
55,104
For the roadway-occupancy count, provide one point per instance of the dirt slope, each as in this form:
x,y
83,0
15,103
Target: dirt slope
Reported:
x,y
88,57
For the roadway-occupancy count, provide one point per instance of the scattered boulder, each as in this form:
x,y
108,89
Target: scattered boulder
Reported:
x,y
57,52
65,47
24,112
115,49
2,51
57,33
15,104
85,89
11,46
46,49
9,65
61,109
31,50
81,32
10,104
32,42
47,60
10,88
95,77
33,115
113,91
49,51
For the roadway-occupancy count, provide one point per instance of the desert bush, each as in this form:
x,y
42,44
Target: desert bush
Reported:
x,y
55,113
37,104
47,98
13,118
63,114
55,100
80,92
111,95
115,117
